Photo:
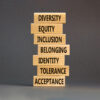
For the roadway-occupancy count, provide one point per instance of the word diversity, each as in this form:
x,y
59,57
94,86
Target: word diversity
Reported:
x,y
50,61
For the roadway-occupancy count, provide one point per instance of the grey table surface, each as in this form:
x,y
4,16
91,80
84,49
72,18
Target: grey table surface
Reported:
x,y
13,92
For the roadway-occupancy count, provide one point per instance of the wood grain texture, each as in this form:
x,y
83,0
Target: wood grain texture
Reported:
x,y
54,49
49,39
46,81
46,28
53,70
48,15
48,60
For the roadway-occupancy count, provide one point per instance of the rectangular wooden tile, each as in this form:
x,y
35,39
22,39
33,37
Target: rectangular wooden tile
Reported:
x,y
54,49
48,60
50,17
49,39
46,81
46,28
53,70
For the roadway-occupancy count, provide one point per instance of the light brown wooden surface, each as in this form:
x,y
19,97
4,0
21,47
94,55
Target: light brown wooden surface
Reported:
x,y
53,70
49,39
54,49
46,28
46,81
48,60
50,17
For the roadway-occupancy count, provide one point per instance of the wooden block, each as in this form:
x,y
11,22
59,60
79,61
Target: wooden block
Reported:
x,y
46,28
54,49
48,60
46,81
53,70
59,18
49,38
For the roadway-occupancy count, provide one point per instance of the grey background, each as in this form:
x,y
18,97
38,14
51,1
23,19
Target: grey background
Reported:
x,y
83,34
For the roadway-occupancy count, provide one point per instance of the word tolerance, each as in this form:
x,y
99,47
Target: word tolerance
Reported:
x,y
53,70
52,49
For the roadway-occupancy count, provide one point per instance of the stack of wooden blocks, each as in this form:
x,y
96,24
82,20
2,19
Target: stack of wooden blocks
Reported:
x,y
50,61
